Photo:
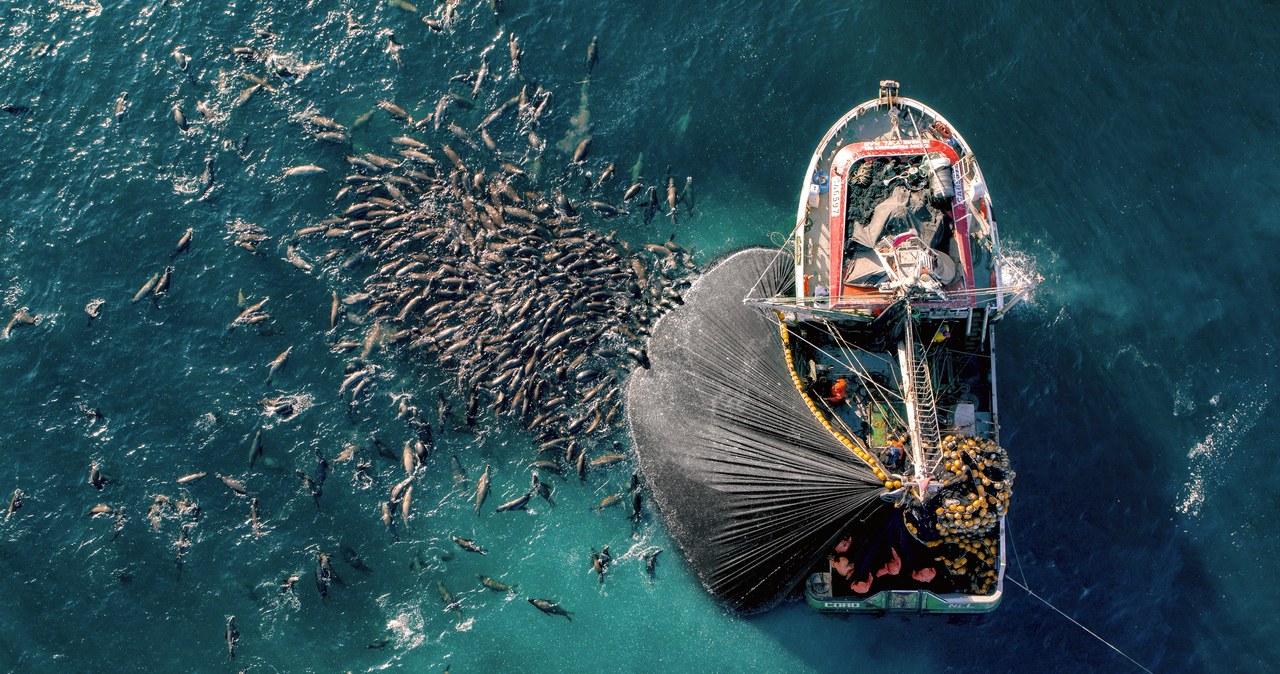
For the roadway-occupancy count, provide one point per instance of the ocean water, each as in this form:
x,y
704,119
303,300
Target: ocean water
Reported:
x,y
1132,153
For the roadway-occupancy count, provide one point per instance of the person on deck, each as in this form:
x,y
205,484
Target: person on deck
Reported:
x,y
839,391
892,455
892,567
925,575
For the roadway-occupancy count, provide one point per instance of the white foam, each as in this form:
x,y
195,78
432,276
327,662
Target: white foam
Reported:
x,y
1206,458
1019,269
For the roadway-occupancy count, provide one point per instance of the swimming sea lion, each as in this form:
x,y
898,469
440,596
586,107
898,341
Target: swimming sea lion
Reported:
x,y
550,608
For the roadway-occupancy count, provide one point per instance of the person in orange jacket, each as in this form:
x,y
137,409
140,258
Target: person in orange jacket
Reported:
x,y
839,390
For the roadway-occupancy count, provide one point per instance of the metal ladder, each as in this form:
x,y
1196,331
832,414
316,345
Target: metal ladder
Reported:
x,y
926,409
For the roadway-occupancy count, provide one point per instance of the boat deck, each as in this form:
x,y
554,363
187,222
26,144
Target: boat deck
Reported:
x,y
909,132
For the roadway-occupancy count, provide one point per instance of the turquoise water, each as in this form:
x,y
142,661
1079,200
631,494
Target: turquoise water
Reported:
x,y
1132,155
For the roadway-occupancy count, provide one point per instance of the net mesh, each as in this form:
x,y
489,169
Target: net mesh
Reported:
x,y
754,490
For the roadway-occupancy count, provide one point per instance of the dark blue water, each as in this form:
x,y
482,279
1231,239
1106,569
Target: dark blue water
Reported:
x,y
1132,155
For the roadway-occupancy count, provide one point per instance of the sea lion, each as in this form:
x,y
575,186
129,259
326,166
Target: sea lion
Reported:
x,y
549,466
541,488
494,585
233,484
516,52
409,458
550,608
277,364
184,242
672,199
15,503
304,170
387,520
122,104
405,504
516,504
20,317
158,509
94,309
607,460
605,175
580,152
482,488
324,574
468,545
255,449
232,636
445,595
162,283
255,520
246,95
313,487
247,316
396,111
593,54
142,292
650,560
326,123
335,310
599,565
95,476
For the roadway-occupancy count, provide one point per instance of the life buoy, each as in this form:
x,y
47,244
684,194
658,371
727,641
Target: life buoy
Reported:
x,y
942,130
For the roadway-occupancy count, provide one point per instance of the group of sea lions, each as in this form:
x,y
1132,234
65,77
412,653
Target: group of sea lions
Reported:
x,y
460,247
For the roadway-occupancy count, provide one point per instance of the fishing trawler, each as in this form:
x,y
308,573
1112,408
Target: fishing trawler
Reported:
x,y
888,330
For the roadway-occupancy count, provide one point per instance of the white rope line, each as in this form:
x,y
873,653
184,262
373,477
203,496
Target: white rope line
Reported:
x,y
1077,624
1009,532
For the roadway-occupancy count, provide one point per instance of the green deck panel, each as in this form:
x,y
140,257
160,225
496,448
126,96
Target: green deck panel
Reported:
x,y
879,427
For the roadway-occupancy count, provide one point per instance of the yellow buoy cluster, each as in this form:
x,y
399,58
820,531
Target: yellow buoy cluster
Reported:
x,y
858,451
976,562
979,485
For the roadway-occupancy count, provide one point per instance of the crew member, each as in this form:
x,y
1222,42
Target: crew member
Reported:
x,y
839,390
892,456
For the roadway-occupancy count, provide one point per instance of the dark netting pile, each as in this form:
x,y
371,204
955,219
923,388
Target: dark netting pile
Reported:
x,y
754,489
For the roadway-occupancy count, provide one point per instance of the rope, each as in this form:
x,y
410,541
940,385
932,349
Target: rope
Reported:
x,y
1077,624
1016,559
1009,532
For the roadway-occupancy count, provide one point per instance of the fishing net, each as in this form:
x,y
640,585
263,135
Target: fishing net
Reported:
x,y
754,489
